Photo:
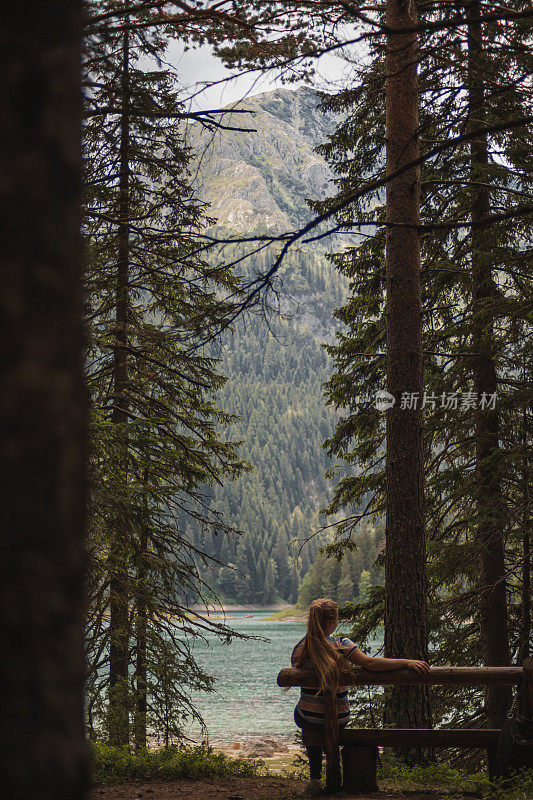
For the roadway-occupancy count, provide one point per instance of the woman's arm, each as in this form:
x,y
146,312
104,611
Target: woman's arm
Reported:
x,y
376,664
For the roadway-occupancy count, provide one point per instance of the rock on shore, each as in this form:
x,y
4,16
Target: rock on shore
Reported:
x,y
263,747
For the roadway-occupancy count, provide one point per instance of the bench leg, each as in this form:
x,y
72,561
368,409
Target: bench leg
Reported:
x,y
493,763
359,768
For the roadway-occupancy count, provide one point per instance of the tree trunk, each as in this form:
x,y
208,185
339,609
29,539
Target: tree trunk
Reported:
x,y
118,721
43,405
525,627
525,630
489,526
140,633
405,559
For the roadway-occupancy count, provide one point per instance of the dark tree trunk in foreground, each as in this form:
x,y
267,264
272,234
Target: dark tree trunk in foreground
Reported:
x,y
43,405
118,567
405,563
489,526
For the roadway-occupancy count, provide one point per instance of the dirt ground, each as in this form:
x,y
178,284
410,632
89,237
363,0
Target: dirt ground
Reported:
x,y
234,789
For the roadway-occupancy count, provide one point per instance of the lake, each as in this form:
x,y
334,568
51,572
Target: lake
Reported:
x,y
247,700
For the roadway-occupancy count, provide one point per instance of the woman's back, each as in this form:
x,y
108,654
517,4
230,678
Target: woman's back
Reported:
x,y
311,703
322,651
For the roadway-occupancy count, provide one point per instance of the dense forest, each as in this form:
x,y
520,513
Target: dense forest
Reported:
x,y
274,384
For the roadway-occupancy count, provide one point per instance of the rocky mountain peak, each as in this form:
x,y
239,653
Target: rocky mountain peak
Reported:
x,y
259,181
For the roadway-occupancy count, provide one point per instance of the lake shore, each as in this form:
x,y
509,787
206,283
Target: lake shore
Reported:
x,y
281,612
289,614
220,608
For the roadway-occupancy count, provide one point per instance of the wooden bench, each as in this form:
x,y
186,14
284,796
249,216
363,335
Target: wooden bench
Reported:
x,y
360,745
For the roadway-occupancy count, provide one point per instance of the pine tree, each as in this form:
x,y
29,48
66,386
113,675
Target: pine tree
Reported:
x,y
453,434
269,587
156,441
345,592
489,534
405,556
363,585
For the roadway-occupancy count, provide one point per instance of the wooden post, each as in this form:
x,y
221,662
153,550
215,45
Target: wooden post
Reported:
x,y
359,769
493,763
331,731
527,688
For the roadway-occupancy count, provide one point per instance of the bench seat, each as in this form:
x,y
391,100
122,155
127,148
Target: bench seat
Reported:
x,y
485,738
360,748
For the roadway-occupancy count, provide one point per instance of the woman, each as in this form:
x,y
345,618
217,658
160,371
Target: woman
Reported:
x,y
326,653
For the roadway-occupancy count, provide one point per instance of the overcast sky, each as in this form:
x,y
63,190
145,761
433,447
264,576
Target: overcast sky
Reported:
x,y
199,65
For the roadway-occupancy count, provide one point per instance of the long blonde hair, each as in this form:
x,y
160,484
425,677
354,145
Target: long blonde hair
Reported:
x,y
324,657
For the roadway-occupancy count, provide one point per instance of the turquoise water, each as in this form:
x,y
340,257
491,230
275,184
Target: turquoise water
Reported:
x,y
247,700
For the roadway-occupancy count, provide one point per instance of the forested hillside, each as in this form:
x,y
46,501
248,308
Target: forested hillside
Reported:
x,y
256,182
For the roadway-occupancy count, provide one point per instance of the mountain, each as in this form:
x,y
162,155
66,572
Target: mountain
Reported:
x,y
258,183
260,180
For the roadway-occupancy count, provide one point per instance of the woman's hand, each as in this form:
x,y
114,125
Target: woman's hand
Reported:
x,y
420,666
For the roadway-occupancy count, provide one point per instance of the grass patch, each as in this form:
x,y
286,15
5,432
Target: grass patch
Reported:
x,y
291,611
457,784
119,765
434,776
520,787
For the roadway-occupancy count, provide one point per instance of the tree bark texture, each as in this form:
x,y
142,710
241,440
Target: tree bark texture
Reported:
x,y
118,718
43,405
525,627
489,527
141,629
405,560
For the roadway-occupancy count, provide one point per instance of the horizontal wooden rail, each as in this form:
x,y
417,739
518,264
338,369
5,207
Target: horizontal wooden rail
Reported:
x,y
455,676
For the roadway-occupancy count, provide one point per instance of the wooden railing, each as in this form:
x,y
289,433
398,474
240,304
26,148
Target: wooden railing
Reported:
x,y
440,676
